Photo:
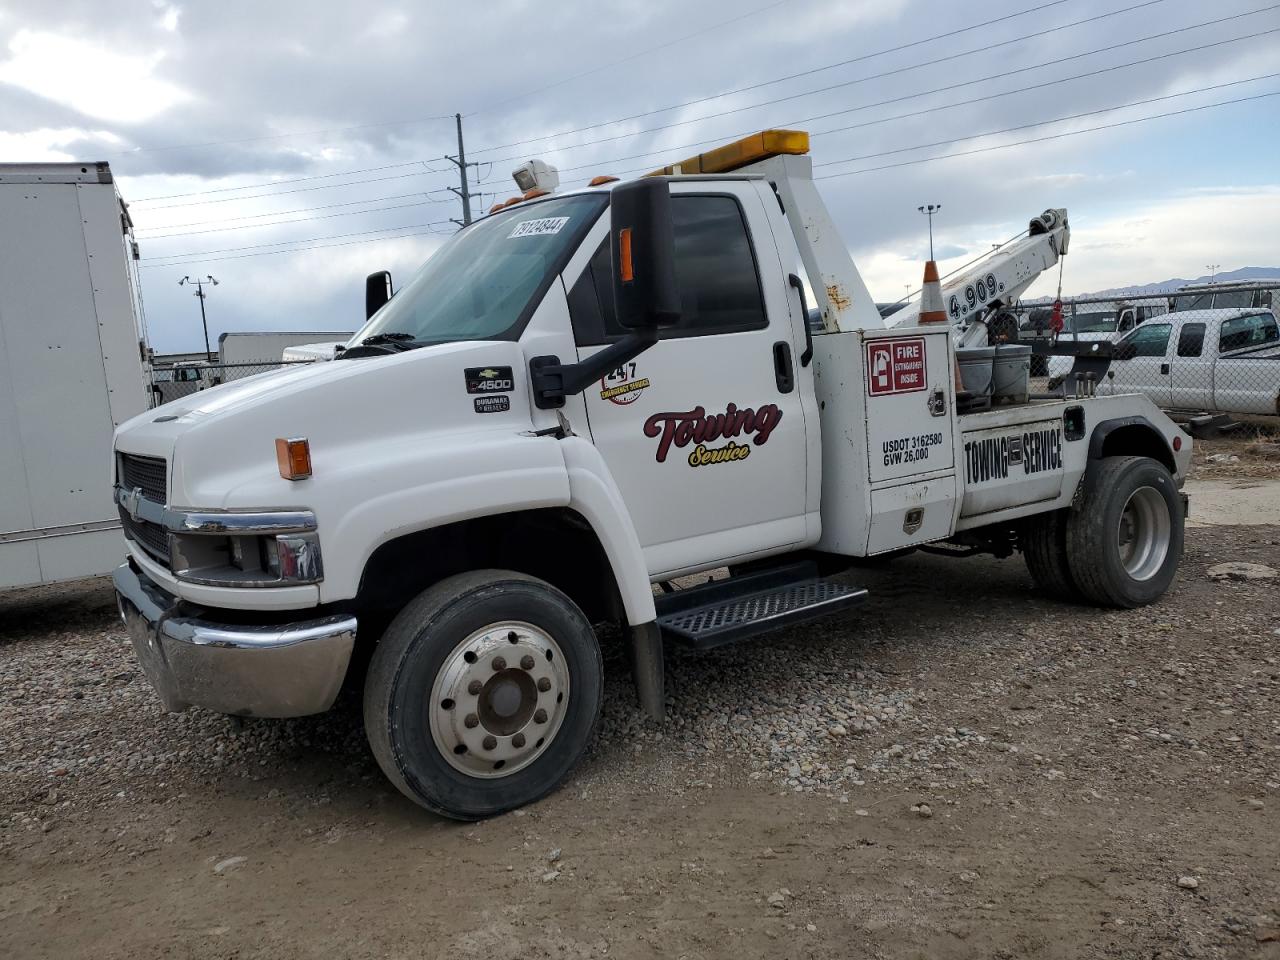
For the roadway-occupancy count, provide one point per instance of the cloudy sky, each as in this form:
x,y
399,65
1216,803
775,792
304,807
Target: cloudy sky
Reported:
x,y
290,148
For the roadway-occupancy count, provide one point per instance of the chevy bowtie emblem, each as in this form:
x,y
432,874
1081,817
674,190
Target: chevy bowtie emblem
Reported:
x,y
489,373
129,500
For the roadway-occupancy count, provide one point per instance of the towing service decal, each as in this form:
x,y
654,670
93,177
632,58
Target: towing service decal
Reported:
x,y
696,427
489,379
622,386
1015,454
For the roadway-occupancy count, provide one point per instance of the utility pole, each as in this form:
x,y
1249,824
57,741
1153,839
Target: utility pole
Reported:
x,y
200,295
460,161
929,210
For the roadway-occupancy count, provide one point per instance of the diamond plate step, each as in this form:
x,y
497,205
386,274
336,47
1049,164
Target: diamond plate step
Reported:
x,y
723,612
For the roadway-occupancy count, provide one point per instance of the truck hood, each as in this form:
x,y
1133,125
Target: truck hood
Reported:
x,y
220,443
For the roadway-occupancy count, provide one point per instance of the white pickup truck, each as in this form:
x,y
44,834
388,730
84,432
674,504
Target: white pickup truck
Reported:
x,y
1221,361
580,396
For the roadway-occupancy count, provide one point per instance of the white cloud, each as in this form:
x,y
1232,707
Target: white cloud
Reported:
x,y
92,80
44,144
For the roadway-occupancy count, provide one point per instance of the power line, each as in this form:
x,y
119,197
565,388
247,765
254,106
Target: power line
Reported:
x,y
274,136
831,66
909,67
1055,136
282,213
1043,123
279,193
281,223
282,243
948,106
272,183
268,253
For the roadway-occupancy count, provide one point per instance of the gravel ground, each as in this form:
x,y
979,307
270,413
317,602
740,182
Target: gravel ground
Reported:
x,y
959,768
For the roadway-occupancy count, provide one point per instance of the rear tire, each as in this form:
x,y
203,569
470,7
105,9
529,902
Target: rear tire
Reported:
x,y
483,693
1044,547
1124,537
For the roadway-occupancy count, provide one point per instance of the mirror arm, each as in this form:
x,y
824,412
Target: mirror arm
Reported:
x,y
552,380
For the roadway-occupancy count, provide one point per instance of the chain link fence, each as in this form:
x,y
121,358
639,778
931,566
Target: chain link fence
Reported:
x,y
1209,349
174,381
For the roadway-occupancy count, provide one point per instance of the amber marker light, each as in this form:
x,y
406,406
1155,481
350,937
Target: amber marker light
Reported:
x,y
294,457
625,270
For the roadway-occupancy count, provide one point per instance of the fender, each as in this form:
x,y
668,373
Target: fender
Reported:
x,y
1105,428
594,494
466,476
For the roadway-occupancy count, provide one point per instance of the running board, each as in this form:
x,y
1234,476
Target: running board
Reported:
x,y
726,611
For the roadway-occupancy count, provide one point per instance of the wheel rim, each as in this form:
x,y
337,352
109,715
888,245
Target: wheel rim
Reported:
x,y
1143,533
499,699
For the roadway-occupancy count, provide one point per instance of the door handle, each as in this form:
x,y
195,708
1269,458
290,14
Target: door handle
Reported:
x,y
782,371
804,312
1164,368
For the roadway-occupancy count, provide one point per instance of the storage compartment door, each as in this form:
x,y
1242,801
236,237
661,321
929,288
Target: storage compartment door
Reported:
x,y
907,380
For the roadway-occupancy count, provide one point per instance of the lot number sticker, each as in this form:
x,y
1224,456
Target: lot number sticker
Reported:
x,y
538,228
896,366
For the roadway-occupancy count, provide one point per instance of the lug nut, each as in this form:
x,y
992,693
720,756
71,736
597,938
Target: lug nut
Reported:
x,y
540,716
544,684
472,721
518,740
527,662
499,663
490,743
474,688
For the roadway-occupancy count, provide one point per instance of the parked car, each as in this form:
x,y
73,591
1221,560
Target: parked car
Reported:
x,y
1205,296
1220,361
1103,321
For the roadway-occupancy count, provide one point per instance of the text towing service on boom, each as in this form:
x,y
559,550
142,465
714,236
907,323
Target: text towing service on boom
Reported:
x,y
543,423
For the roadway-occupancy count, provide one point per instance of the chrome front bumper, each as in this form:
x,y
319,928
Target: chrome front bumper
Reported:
x,y
281,670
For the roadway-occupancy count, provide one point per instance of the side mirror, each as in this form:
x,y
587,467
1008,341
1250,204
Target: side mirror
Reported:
x,y
1126,351
642,242
377,291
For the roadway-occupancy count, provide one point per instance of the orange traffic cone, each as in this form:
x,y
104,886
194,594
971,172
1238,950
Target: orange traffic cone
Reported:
x,y
932,309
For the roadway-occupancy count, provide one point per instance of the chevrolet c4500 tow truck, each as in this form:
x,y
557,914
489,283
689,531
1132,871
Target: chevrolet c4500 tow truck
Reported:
x,y
579,396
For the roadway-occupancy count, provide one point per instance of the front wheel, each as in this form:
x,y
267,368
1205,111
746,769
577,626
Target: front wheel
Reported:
x,y
483,693
1124,538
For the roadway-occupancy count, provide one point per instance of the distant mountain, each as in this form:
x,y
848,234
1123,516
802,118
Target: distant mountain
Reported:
x,y
1169,286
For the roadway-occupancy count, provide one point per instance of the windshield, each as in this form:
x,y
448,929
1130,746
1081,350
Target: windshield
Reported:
x,y
482,283
1102,322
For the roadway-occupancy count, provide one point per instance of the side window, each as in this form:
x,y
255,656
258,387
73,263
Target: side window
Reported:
x,y
1240,332
1191,340
1151,340
715,269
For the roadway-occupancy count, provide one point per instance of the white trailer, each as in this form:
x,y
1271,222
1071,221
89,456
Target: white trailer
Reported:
x,y
244,354
71,367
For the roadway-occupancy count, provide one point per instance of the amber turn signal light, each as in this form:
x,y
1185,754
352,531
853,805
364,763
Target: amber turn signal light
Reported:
x,y
625,269
294,458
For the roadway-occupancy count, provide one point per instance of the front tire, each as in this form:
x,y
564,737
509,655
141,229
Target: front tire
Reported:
x,y
483,693
1124,538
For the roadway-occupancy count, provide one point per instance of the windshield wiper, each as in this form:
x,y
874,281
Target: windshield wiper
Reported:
x,y
394,342
396,338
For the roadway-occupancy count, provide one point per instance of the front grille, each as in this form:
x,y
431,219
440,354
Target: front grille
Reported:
x,y
149,473
150,536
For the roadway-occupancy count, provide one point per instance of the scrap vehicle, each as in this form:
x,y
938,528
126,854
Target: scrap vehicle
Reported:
x,y
580,397
72,367
1221,360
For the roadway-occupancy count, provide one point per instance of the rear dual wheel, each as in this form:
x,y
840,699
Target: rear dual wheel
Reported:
x,y
483,693
1119,545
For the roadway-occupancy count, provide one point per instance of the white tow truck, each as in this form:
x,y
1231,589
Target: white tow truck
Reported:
x,y
578,397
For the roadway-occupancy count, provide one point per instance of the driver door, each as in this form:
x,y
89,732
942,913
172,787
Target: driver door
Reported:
x,y
704,432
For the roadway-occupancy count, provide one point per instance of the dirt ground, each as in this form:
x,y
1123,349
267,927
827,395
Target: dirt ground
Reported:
x,y
1022,778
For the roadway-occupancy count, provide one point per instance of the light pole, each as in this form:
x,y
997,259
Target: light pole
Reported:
x,y
200,295
929,210
1213,270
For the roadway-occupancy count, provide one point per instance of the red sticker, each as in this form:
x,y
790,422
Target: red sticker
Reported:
x,y
896,366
